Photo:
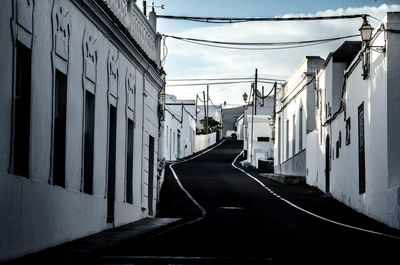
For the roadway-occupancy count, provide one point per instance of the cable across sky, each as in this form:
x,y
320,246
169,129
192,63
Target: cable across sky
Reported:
x,y
259,45
250,19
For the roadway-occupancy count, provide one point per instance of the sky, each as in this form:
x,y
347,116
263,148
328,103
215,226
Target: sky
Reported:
x,y
186,60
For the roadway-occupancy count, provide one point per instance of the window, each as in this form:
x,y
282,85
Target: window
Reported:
x,y
337,148
60,114
348,127
88,143
300,129
112,145
294,135
287,139
361,149
22,112
262,139
129,163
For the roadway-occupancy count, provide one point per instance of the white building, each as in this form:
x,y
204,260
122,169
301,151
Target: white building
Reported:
x,y
240,128
295,110
259,141
179,128
80,83
354,151
229,120
256,131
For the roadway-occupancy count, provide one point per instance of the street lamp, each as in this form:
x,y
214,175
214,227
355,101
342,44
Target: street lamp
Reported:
x,y
366,33
245,97
366,30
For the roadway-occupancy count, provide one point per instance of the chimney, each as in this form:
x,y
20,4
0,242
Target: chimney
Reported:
x,y
153,19
145,8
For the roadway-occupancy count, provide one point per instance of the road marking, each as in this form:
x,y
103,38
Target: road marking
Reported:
x,y
231,208
305,211
203,211
182,258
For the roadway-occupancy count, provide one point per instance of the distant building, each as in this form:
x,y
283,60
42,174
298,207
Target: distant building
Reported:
x,y
179,128
295,110
256,131
80,83
354,150
229,118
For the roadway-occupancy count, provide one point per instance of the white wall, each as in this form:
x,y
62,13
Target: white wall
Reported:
x,y
380,200
180,118
204,141
295,100
259,149
40,215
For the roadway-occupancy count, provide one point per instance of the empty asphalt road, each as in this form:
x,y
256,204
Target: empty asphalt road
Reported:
x,y
231,218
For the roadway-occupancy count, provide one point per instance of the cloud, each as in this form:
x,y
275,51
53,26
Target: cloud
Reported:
x,y
193,61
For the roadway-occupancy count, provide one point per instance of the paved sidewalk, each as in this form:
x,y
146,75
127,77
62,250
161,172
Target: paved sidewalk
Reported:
x,y
83,250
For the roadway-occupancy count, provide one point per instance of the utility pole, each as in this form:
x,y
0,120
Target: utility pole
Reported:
x,y
275,86
252,116
181,114
195,112
262,94
255,92
207,111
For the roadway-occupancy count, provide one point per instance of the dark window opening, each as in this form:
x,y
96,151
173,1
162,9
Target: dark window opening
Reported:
x,y
361,149
129,163
262,139
88,143
337,149
112,140
300,129
294,135
60,118
287,139
151,175
348,127
22,111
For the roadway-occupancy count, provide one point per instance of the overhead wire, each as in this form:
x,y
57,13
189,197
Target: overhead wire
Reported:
x,y
266,48
260,43
231,20
216,83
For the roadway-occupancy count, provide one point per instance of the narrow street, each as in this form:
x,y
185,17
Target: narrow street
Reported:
x,y
238,221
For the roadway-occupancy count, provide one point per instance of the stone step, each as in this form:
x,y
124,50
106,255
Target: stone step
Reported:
x,y
284,179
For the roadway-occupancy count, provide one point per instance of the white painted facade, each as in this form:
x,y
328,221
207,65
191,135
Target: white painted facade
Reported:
x,y
240,130
179,128
261,147
264,106
203,141
338,148
120,67
295,117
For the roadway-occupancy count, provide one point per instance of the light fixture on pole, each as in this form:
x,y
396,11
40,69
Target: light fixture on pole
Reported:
x,y
245,97
366,31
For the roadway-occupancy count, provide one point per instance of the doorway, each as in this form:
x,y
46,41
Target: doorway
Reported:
x,y
327,164
361,149
111,164
151,175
